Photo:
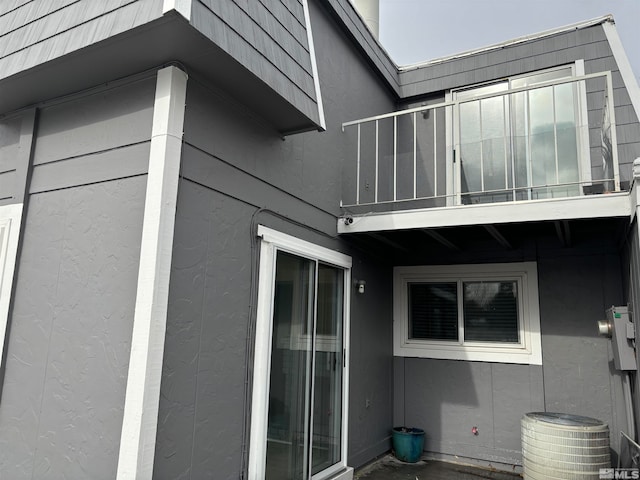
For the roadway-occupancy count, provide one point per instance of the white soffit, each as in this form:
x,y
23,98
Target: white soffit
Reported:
x,y
591,206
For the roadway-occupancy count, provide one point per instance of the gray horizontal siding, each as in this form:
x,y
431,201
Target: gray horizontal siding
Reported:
x,y
270,44
28,13
7,183
123,162
363,37
9,5
588,44
95,123
37,32
94,138
9,154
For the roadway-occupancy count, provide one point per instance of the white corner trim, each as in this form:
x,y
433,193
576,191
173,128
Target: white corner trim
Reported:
x,y
314,64
624,65
183,7
10,219
139,424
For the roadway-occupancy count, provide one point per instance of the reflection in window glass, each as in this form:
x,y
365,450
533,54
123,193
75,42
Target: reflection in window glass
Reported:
x,y
522,145
490,312
433,311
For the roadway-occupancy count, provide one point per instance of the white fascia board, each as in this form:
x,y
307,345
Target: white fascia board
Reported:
x,y
314,65
567,28
624,65
139,425
591,206
10,220
183,7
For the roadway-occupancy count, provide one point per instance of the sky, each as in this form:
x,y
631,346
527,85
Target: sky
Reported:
x,y
417,30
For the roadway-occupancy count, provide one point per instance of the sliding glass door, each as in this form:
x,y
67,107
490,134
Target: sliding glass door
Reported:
x,y
304,401
519,146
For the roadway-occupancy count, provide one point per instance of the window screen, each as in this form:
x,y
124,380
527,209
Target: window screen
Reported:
x,y
491,311
433,311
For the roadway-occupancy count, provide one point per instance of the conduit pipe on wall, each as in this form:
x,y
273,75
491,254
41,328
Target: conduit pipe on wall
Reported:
x,y
628,403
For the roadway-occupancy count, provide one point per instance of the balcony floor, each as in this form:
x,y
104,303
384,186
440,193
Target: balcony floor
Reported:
x,y
388,468
570,208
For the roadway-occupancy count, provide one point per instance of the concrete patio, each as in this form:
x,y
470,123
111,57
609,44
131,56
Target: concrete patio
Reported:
x,y
389,468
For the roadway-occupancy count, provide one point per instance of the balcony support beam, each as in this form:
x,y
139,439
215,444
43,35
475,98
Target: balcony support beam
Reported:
x,y
589,206
498,237
438,237
563,230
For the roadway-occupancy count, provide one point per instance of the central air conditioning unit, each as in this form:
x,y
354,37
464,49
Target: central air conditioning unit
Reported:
x,y
558,446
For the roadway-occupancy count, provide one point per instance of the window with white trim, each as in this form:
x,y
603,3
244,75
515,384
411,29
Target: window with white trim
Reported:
x,y
484,312
9,230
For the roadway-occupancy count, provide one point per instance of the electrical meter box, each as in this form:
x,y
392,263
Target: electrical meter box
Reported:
x,y
622,333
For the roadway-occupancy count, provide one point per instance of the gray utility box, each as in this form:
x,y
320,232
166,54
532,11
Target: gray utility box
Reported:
x,y
622,333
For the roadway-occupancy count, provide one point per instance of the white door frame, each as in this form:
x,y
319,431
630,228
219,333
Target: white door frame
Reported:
x,y
272,242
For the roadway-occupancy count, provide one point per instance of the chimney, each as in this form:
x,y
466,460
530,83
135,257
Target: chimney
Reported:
x,y
369,10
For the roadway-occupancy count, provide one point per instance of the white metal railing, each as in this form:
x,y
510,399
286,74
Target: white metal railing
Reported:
x,y
438,153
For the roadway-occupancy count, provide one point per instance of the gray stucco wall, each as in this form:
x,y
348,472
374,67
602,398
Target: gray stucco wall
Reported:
x,y
69,336
236,168
70,333
447,398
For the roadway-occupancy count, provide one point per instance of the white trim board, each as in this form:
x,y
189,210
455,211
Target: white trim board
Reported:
x,y
10,220
628,78
183,7
314,65
139,424
590,206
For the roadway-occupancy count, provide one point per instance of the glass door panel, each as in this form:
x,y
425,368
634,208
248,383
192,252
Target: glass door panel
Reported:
x,y
484,161
304,431
327,405
288,427
522,145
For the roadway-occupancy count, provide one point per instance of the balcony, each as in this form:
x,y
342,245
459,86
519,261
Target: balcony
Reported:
x,y
531,148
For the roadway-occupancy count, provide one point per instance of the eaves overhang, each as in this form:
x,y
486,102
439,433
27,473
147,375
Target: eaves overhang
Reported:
x,y
508,43
170,39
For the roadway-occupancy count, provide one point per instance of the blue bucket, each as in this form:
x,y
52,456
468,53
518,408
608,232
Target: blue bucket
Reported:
x,y
408,443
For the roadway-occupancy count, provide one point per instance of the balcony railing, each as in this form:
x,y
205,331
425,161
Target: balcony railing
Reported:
x,y
550,139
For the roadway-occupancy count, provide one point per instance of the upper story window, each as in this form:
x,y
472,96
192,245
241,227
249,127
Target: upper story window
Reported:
x,y
468,312
525,145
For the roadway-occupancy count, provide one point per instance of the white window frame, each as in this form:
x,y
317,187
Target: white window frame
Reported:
x,y
272,242
10,217
527,351
453,128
